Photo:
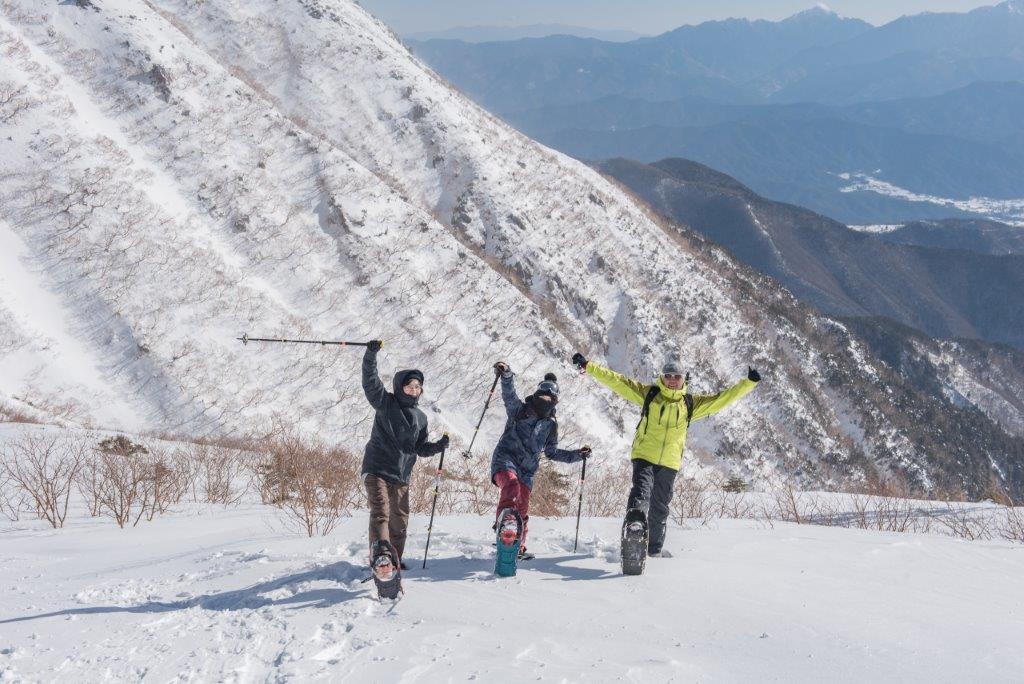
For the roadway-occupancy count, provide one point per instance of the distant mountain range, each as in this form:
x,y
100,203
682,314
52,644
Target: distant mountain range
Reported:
x,y
483,34
715,59
920,55
816,55
910,275
931,104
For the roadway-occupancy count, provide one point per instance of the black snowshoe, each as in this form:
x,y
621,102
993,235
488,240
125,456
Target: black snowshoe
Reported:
x,y
385,566
634,542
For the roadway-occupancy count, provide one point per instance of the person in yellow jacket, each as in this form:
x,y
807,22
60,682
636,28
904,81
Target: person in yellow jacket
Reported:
x,y
667,411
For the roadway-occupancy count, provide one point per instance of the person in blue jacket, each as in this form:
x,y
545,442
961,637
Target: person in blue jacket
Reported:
x,y
530,430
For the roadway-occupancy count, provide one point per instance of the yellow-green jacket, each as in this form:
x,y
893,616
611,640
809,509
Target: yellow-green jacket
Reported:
x,y
661,435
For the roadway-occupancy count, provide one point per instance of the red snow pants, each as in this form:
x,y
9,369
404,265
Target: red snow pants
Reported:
x,y
514,494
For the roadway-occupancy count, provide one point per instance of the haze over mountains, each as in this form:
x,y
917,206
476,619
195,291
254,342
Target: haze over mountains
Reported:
x,y
485,34
928,104
184,172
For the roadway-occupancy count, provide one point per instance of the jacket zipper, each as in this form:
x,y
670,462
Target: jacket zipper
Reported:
x,y
664,440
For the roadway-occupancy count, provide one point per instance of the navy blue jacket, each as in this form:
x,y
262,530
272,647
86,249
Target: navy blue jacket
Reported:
x,y
399,432
526,437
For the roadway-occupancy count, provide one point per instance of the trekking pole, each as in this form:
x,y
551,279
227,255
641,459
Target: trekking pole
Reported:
x,y
579,509
490,395
245,339
433,506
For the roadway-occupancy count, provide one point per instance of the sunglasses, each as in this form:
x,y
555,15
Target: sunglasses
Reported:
x,y
672,376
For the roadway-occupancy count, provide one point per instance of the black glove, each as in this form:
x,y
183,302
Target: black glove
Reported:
x,y
501,368
585,452
580,361
753,375
374,345
443,442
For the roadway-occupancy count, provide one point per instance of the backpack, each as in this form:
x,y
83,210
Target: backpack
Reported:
x,y
653,392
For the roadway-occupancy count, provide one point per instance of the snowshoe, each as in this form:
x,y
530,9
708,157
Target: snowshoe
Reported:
x,y
634,542
510,527
386,569
523,555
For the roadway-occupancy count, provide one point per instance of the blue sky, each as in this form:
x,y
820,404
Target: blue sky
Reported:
x,y
645,16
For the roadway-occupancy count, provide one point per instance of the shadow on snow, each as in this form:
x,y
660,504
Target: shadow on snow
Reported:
x,y
449,569
460,568
250,598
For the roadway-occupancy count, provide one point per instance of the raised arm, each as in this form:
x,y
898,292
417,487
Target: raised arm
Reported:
x,y
372,386
508,389
630,390
705,405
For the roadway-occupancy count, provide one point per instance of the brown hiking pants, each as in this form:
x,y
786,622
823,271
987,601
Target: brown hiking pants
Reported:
x,y
389,511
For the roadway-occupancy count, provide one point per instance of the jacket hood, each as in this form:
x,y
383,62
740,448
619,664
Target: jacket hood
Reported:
x,y
671,394
402,377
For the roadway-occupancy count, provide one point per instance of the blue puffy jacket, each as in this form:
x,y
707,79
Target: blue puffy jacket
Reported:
x,y
526,437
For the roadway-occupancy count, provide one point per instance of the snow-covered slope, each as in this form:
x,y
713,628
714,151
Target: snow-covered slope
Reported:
x,y
177,172
222,595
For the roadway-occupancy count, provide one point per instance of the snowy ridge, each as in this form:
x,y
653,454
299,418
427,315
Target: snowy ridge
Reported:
x,y
187,171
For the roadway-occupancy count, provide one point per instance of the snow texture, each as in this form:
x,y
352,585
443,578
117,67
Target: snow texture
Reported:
x,y
213,594
176,173
1009,211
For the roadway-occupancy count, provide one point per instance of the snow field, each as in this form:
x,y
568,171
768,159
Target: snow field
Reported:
x,y
215,594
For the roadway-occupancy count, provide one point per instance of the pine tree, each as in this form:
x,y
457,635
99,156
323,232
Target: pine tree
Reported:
x,y
735,485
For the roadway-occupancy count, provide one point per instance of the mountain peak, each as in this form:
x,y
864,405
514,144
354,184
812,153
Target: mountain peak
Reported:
x,y
820,10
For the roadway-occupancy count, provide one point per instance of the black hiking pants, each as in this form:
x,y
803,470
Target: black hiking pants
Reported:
x,y
652,493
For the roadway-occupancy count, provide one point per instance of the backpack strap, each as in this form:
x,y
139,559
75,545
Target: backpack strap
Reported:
x,y
653,392
648,398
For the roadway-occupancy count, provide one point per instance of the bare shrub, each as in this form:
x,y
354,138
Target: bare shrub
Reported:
x,y
551,492
963,521
13,501
468,487
734,505
1011,526
790,504
12,414
607,489
421,490
164,483
274,472
692,499
898,514
187,464
123,490
43,466
89,483
12,101
220,470
314,485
